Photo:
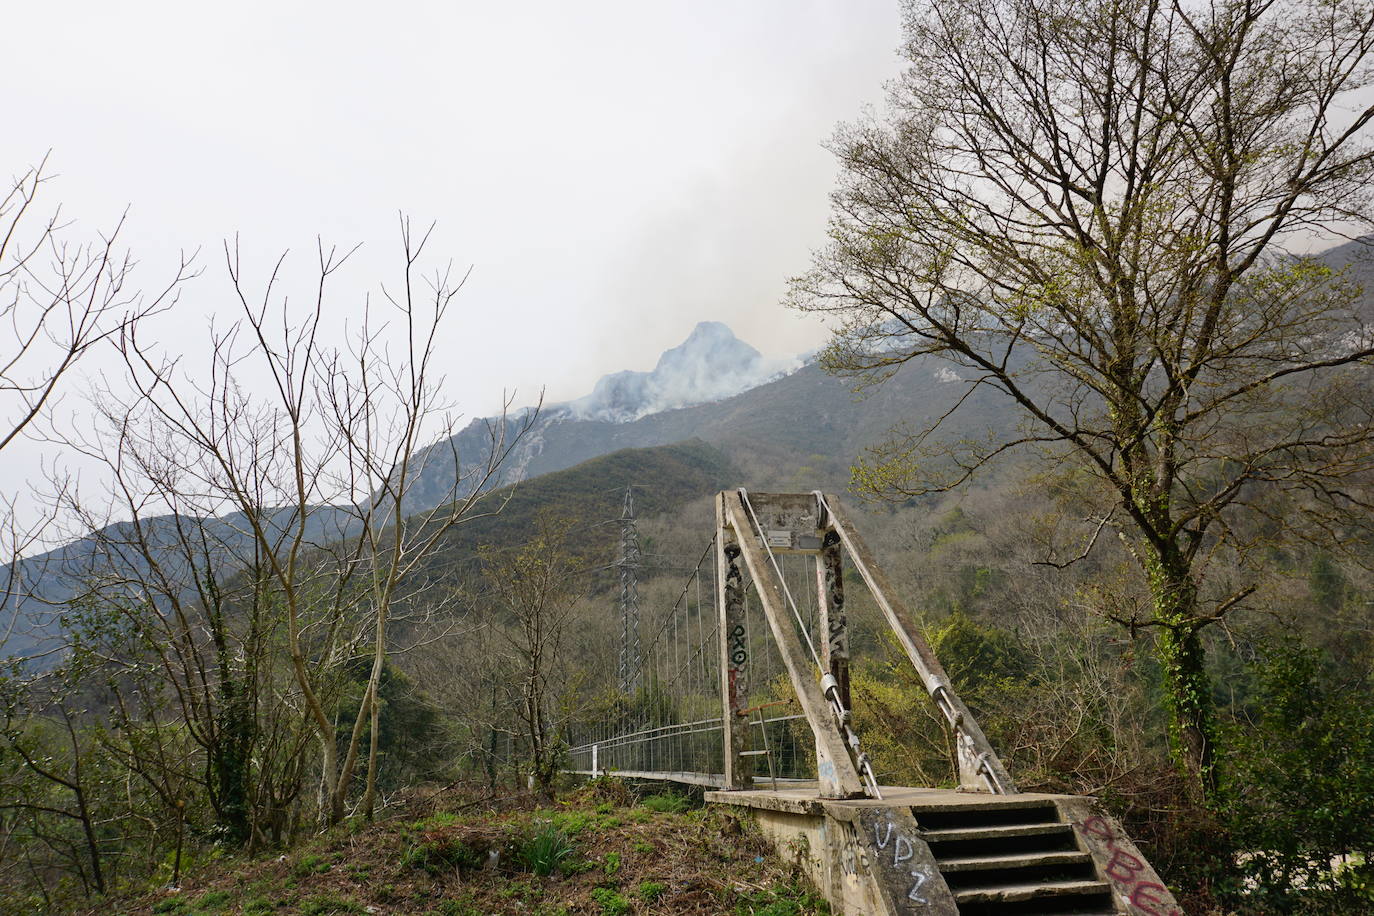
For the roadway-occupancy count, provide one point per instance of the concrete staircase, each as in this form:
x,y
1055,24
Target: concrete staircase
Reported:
x,y
1011,859
939,852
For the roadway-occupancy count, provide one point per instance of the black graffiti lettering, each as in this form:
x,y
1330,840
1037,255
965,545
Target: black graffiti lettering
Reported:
x,y
739,650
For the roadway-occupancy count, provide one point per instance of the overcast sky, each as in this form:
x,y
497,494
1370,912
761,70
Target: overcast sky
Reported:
x,y
614,172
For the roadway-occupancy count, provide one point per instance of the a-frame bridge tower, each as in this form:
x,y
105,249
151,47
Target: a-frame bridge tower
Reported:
x,y
779,568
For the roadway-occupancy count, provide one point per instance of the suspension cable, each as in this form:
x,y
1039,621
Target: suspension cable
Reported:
x,y
791,603
672,611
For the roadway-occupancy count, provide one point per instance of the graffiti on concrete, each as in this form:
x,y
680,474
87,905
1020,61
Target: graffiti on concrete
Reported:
x,y
886,834
1129,873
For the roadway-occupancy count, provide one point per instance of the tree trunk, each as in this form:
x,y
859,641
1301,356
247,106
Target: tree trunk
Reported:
x,y
230,760
1186,684
370,793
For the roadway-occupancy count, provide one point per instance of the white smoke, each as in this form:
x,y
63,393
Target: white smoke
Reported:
x,y
944,374
711,365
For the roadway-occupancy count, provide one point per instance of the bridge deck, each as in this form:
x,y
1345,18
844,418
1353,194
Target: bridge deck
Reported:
x,y
709,780
800,797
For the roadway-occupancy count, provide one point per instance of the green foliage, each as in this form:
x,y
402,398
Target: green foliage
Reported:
x,y
438,851
613,903
258,906
311,865
519,890
1327,584
612,864
978,658
329,905
545,851
1300,790
411,736
786,901
649,891
899,726
457,907
667,803
573,822
592,489
213,900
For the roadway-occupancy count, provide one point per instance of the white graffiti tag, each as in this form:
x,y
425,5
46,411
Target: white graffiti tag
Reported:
x,y
914,895
902,851
885,838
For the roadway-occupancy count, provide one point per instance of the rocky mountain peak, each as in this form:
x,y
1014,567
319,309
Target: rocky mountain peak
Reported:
x,y
711,364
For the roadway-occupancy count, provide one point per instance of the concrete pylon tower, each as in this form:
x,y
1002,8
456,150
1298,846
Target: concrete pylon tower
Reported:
x,y
630,652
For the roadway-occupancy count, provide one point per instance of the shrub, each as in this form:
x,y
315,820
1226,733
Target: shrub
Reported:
x,y
1300,789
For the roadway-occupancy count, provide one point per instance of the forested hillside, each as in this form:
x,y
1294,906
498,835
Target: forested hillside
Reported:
x,y
287,625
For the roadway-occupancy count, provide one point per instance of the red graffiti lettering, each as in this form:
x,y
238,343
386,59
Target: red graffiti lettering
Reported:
x,y
1146,898
1123,867
1096,826
1125,870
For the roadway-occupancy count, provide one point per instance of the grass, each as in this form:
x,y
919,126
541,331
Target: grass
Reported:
x,y
668,803
436,852
596,851
789,900
329,905
613,903
311,864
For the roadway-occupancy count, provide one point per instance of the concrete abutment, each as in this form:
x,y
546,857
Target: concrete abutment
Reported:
x,y
936,852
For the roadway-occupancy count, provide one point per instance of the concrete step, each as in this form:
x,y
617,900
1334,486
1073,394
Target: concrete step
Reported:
x,y
1012,893
995,812
1005,831
1015,860
1001,840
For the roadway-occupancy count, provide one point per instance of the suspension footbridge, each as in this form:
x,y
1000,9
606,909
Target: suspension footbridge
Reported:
x,y
742,686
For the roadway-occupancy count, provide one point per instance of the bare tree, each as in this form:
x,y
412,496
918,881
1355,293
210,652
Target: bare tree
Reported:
x,y
302,455
1082,207
61,295
532,600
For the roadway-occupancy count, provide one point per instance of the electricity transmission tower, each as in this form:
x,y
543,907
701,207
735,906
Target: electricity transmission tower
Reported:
x,y
629,596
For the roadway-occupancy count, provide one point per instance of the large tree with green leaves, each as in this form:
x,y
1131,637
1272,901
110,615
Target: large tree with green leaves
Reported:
x,y
1089,208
